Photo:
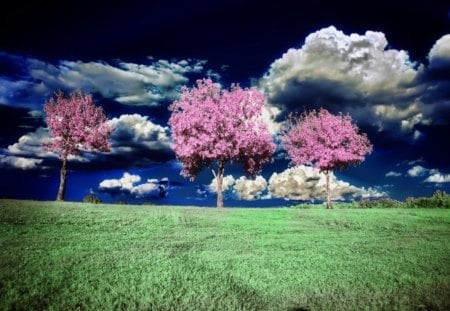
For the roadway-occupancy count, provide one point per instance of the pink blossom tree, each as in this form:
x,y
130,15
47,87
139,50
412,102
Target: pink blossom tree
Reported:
x,y
75,124
212,127
325,141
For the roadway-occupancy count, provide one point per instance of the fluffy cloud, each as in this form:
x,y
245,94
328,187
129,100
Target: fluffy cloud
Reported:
x,y
28,152
30,144
134,130
393,174
243,188
248,189
19,162
307,183
149,84
136,141
360,61
417,171
440,50
437,177
126,185
298,183
434,175
227,183
351,73
270,114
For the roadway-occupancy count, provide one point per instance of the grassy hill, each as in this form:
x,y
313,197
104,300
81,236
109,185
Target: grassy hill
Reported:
x,y
81,256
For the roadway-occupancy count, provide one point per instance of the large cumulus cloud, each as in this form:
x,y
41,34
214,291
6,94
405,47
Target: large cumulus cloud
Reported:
x,y
356,73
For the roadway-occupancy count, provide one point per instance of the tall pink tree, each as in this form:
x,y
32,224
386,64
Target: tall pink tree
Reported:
x,y
212,127
325,141
76,125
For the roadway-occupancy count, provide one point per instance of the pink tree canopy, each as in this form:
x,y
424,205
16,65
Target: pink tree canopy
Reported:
x,y
75,124
325,141
214,125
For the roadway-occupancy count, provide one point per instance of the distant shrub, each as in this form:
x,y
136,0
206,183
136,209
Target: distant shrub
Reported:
x,y
379,203
92,198
121,202
439,199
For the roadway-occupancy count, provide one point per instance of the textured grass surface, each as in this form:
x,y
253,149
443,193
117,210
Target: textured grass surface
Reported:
x,y
65,256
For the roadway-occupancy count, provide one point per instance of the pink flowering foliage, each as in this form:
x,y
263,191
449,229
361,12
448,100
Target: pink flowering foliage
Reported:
x,y
324,140
76,124
210,124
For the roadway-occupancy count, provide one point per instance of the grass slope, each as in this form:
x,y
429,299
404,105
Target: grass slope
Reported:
x,y
65,256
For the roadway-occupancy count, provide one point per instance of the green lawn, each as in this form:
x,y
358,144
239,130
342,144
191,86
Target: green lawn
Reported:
x,y
65,256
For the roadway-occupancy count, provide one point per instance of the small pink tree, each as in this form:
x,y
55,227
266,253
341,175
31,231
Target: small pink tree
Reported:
x,y
325,141
75,124
212,127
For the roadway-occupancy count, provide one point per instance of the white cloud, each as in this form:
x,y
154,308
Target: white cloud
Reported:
x,y
133,131
135,140
353,73
126,184
30,144
307,183
393,112
138,141
441,49
408,124
437,177
19,162
227,182
37,114
393,174
269,115
128,83
249,189
143,190
417,171
149,83
28,152
360,61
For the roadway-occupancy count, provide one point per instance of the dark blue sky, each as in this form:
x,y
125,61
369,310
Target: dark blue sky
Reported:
x,y
386,63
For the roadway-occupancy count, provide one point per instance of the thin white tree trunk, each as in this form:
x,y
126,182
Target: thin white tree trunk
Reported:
x,y
219,180
327,176
62,180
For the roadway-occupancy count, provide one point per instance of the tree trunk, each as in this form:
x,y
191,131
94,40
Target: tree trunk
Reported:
x,y
219,180
62,181
327,175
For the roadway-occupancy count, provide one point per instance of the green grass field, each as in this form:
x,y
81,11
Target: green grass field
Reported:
x,y
66,256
